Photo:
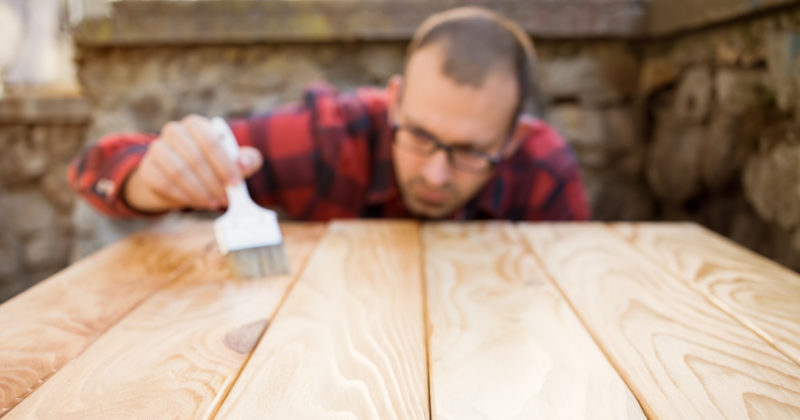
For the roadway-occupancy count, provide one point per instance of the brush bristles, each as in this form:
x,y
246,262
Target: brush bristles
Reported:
x,y
265,261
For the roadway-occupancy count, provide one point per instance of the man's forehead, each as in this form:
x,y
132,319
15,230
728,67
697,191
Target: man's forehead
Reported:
x,y
452,110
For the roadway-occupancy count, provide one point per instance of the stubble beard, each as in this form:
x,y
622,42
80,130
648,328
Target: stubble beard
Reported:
x,y
421,208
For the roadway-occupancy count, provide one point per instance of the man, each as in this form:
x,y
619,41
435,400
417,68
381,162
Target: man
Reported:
x,y
446,141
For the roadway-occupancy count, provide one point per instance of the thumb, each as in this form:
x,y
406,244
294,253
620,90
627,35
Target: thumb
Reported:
x,y
250,160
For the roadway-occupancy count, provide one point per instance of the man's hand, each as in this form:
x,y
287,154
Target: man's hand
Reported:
x,y
186,167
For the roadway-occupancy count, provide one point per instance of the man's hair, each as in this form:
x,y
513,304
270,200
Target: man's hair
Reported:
x,y
476,42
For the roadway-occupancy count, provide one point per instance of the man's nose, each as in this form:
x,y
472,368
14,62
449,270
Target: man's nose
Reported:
x,y
436,169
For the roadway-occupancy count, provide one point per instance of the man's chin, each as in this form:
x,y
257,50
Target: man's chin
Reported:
x,y
426,210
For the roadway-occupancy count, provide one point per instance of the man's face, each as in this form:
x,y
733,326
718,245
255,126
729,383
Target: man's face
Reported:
x,y
457,115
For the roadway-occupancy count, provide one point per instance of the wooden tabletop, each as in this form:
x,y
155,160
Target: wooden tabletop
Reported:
x,y
400,320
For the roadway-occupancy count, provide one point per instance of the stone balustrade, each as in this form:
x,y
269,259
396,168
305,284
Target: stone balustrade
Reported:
x,y
39,135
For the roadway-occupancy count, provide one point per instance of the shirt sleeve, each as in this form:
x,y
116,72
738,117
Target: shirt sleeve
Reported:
x,y
315,159
98,173
558,193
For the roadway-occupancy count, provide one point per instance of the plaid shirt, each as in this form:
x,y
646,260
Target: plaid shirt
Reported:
x,y
331,157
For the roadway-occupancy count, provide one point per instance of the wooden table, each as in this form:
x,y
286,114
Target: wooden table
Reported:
x,y
397,320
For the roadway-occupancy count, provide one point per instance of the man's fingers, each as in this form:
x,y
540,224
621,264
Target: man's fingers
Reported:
x,y
250,160
180,174
161,192
211,146
182,141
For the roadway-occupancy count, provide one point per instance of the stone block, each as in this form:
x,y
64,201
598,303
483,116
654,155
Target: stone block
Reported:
x,y
657,73
93,230
772,184
669,17
37,276
785,247
9,254
748,229
65,141
56,189
740,91
10,287
692,102
725,148
595,79
27,212
673,161
25,156
783,52
618,199
49,108
381,62
152,109
600,137
46,250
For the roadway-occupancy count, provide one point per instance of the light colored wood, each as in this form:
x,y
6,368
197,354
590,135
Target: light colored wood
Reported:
x,y
49,324
177,354
760,293
503,341
349,341
681,356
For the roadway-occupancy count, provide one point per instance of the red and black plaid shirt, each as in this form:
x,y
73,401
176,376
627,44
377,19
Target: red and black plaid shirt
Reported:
x,y
331,157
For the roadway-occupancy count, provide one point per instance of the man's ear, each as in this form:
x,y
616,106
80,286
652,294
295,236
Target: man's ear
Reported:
x,y
522,130
394,90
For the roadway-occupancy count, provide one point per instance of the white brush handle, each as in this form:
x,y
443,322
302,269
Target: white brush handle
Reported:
x,y
238,196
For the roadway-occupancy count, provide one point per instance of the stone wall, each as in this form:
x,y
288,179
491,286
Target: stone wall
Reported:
x,y
143,88
38,138
590,94
722,114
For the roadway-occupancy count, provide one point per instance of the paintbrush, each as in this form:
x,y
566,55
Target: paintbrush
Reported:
x,y
248,235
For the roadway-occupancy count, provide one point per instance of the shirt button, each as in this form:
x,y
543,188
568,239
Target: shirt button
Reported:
x,y
105,186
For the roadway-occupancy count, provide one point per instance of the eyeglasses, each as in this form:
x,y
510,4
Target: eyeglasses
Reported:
x,y
462,158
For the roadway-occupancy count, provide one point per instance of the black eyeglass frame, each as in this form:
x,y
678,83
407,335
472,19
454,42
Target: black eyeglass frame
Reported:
x,y
493,160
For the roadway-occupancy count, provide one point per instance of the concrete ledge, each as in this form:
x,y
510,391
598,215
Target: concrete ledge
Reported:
x,y
43,109
668,17
237,21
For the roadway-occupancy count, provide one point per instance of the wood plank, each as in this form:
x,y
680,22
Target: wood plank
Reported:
x,y
177,354
349,342
681,356
49,324
503,341
761,293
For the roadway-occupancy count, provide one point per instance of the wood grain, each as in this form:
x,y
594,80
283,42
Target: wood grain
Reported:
x,y
177,354
682,357
49,324
349,341
760,293
503,341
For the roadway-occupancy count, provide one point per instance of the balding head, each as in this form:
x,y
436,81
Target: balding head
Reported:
x,y
476,42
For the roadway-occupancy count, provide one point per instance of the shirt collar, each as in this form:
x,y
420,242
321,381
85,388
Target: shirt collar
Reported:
x,y
383,184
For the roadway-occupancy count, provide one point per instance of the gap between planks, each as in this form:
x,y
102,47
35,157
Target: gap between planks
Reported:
x,y
350,339
756,270
58,340
217,403
504,343
682,356
426,319
175,353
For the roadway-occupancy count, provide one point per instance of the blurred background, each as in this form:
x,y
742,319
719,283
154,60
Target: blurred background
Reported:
x,y
679,110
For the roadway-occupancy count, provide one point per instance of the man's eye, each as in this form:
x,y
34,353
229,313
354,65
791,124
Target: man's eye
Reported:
x,y
420,137
466,150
